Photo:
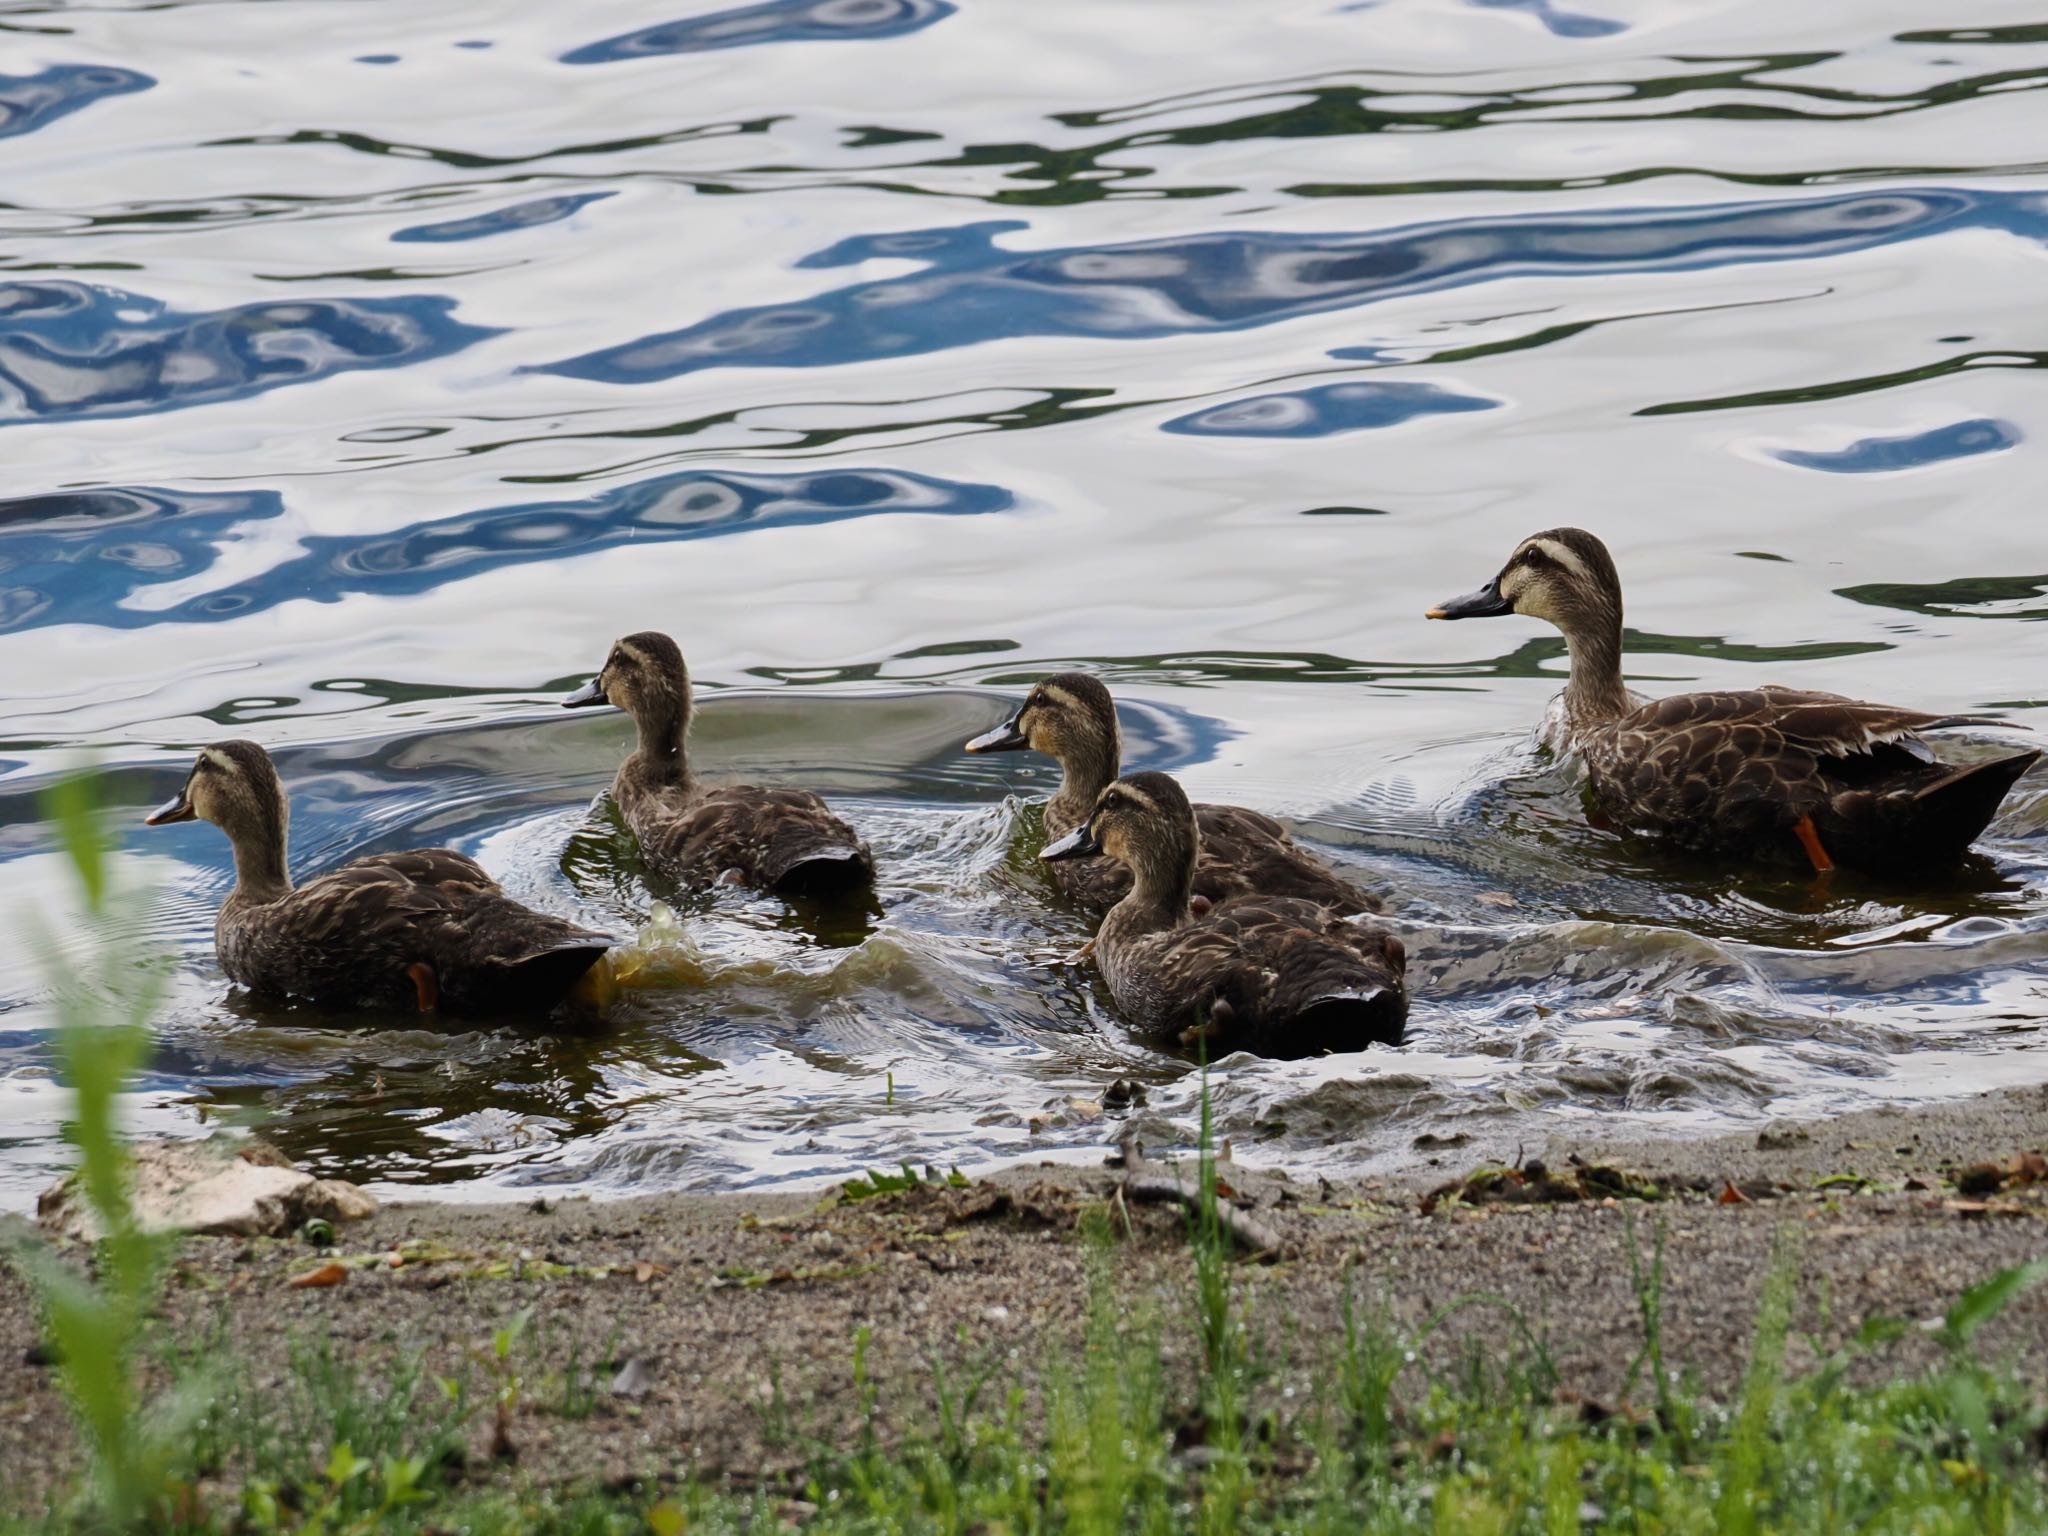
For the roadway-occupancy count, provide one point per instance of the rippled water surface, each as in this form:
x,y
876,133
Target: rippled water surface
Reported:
x,y
366,367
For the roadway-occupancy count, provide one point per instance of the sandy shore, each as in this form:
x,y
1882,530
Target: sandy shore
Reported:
x,y
742,1311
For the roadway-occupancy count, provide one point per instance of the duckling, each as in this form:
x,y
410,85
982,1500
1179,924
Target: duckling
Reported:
x,y
783,840
1275,975
1771,772
1071,718
426,928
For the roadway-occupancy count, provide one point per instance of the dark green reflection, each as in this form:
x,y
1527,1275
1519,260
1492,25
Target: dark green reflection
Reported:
x,y
1965,597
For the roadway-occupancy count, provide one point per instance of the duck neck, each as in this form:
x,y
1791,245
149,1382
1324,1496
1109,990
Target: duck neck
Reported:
x,y
1085,772
1596,691
1158,901
660,757
260,874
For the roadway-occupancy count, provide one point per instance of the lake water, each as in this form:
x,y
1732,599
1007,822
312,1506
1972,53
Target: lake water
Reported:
x,y
365,368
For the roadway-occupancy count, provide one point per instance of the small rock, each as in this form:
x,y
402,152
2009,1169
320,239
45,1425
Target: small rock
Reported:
x,y
337,1200
995,1314
1775,1138
224,1185
634,1379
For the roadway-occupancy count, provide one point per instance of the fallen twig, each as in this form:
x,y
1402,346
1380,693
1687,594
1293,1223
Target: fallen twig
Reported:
x,y
1156,1184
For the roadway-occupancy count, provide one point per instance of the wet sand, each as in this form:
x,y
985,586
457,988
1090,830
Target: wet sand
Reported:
x,y
742,1310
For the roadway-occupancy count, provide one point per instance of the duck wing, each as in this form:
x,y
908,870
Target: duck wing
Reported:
x,y
1247,853
784,840
1735,770
1276,976
353,935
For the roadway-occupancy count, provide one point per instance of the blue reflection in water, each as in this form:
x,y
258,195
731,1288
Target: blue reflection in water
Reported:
x,y
1326,409
973,291
499,221
68,557
71,350
1562,23
72,557
29,102
1870,455
777,21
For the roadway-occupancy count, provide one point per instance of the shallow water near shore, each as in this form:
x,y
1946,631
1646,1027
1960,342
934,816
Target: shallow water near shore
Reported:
x,y
366,369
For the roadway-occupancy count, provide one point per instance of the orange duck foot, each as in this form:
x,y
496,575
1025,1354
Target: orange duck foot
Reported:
x,y
1809,839
426,983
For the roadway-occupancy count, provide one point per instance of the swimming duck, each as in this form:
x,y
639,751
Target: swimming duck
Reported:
x,y
426,928
1768,772
1275,975
782,840
1071,718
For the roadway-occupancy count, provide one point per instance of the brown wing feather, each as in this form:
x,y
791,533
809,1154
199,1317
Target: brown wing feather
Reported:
x,y
1735,770
762,833
1256,968
347,937
1243,853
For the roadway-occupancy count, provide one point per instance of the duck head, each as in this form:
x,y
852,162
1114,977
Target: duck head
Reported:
x,y
234,785
1143,821
1071,718
644,676
1564,575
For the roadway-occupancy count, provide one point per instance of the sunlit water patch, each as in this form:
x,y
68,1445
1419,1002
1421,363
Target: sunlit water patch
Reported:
x,y
366,372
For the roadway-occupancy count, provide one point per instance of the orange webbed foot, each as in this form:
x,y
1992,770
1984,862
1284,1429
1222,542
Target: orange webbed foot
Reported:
x,y
1809,839
426,984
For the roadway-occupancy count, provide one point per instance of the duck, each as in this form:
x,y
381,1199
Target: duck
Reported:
x,y
1071,718
781,840
425,929
1278,976
1771,774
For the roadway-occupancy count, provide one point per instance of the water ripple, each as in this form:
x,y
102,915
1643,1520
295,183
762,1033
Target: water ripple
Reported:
x,y
540,210
1325,409
81,350
29,102
776,21
76,557
973,291
1911,450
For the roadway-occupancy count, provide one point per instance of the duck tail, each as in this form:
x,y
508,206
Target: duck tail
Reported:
x,y
544,976
1349,1019
1956,807
825,871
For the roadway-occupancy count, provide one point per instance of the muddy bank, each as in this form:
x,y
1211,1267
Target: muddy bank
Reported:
x,y
727,1323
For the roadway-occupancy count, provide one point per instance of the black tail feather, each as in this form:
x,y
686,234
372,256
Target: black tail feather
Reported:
x,y
1955,808
532,983
1349,1020
826,872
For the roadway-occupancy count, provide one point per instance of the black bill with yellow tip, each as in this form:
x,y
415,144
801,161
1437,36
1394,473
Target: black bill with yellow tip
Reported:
x,y
1007,737
1077,844
177,808
1486,603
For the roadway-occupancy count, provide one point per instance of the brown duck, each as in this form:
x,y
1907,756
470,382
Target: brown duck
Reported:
x,y
426,928
1774,773
1274,975
1071,718
783,840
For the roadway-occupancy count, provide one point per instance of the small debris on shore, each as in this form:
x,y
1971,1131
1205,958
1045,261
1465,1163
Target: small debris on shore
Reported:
x,y
224,1186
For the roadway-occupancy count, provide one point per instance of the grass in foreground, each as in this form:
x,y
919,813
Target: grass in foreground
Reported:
x,y
1099,1438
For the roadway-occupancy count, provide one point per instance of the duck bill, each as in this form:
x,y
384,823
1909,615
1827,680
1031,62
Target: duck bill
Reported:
x,y
1486,603
1004,738
1077,844
588,696
175,809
